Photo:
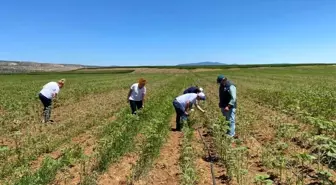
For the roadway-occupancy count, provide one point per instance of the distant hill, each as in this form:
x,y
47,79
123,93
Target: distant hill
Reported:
x,y
24,67
207,63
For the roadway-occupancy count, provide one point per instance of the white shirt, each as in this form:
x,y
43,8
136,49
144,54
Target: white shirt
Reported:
x,y
137,93
49,89
183,99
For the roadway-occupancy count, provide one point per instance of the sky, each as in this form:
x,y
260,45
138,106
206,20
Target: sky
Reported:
x,y
168,32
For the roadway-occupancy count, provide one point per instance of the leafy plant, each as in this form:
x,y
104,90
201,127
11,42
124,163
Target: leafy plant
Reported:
x,y
263,180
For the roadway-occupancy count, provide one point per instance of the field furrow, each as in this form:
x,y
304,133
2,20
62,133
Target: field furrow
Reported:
x,y
166,168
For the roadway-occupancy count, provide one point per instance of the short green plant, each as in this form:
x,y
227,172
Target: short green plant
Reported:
x,y
263,180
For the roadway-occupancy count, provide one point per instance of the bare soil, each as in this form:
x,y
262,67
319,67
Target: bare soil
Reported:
x,y
166,169
117,173
204,160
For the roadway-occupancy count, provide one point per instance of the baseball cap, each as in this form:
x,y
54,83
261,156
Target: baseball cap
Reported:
x,y
201,95
220,78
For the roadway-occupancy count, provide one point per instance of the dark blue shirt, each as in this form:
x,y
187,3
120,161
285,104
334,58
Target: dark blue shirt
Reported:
x,y
191,90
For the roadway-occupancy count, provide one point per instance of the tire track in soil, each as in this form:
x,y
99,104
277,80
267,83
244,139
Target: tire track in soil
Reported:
x,y
166,168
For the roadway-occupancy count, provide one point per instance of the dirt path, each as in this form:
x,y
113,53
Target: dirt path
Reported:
x,y
203,161
117,173
166,169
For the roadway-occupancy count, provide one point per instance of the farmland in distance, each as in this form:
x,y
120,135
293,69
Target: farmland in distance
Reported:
x,y
286,125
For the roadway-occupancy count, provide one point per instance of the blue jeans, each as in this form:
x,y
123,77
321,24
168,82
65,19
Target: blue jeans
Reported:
x,y
230,116
180,115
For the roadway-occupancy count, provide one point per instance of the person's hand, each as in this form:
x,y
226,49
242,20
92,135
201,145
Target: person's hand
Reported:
x,y
226,109
186,113
143,106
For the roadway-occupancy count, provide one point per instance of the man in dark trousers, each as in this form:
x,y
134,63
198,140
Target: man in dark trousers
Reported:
x,y
228,102
182,105
196,90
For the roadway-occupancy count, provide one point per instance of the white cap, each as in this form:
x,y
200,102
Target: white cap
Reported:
x,y
201,95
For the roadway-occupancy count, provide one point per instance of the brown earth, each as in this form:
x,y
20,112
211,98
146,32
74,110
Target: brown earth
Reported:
x,y
203,163
117,173
166,169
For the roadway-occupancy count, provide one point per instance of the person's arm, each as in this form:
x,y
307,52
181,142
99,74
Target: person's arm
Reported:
x,y
143,97
198,107
54,95
129,93
187,107
233,93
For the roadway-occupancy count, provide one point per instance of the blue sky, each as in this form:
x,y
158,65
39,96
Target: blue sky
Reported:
x,y
168,32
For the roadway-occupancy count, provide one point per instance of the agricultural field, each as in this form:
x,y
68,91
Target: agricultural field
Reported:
x,y
286,127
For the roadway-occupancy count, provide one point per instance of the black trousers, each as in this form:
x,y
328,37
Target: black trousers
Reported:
x,y
47,107
135,105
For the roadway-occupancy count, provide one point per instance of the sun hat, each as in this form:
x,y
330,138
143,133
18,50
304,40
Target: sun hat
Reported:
x,y
220,78
201,95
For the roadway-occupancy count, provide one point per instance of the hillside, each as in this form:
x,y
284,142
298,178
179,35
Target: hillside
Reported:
x,y
22,67
207,63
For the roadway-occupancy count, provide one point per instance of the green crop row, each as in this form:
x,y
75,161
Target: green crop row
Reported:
x,y
188,157
155,132
46,173
119,136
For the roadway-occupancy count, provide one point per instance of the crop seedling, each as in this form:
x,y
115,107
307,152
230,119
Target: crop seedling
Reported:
x,y
263,180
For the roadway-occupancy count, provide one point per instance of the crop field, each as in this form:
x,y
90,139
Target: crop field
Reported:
x,y
285,122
